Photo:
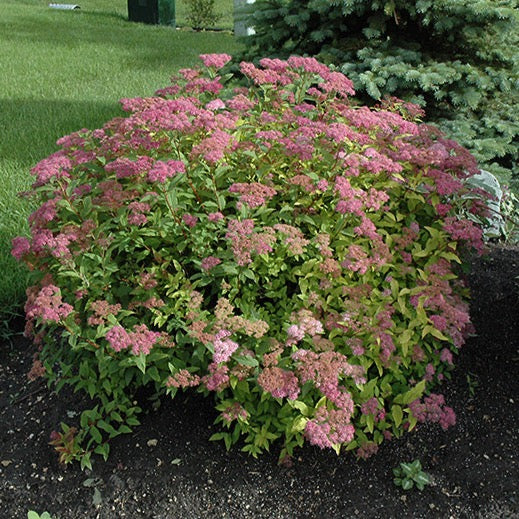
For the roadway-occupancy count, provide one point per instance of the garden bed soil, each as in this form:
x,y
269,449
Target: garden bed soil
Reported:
x,y
167,468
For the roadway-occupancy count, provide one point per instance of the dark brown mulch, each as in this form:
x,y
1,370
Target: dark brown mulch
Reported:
x,y
168,469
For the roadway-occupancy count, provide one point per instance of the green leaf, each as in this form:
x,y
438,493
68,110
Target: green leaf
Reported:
x,y
413,394
301,406
397,413
96,498
407,468
247,360
416,465
140,362
106,427
422,478
96,435
85,462
370,421
407,484
299,424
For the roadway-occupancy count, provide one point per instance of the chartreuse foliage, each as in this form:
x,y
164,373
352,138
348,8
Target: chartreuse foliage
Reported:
x,y
456,58
273,245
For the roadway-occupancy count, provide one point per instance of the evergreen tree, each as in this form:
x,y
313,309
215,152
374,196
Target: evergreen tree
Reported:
x,y
456,58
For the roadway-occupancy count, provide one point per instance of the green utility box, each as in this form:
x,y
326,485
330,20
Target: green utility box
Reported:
x,y
158,12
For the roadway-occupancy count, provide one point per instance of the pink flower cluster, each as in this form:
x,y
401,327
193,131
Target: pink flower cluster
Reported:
x,y
372,407
306,324
329,427
324,370
216,61
56,166
100,310
223,347
433,409
20,247
137,215
141,339
294,238
245,241
123,167
183,379
218,377
465,230
233,412
253,194
280,383
210,262
47,305
213,148
161,171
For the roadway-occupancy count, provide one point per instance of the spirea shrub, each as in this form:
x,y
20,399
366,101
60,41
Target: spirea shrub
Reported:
x,y
277,247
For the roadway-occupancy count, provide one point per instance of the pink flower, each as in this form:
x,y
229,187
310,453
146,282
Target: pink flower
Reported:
x,y
295,334
123,167
213,148
429,372
216,61
367,450
215,104
329,427
189,220
446,356
37,370
253,194
102,309
210,262
294,238
56,165
234,412
215,217
218,379
433,409
137,210
308,65
279,383
48,305
464,230
141,339
183,379
223,347
369,407
164,170
439,322
21,246
118,338
337,82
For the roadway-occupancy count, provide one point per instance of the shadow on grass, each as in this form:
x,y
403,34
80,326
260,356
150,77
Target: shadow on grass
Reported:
x,y
29,128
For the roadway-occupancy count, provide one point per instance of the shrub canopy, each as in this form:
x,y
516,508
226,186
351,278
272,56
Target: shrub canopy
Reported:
x,y
275,245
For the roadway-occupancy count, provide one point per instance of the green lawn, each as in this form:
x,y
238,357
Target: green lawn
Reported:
x,y
66,70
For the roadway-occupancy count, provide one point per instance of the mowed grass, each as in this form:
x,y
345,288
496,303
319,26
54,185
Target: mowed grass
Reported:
x,y
66,70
